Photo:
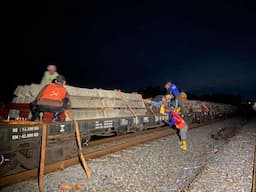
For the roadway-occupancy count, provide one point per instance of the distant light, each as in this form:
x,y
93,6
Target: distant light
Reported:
x,y
249,102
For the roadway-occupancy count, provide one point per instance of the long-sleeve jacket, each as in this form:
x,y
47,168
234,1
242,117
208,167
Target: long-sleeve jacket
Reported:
x,y
174,90
48,78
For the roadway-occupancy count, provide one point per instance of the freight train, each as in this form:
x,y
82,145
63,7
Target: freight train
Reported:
x,y
97,111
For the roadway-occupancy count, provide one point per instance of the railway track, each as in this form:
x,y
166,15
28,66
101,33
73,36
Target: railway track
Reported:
x,y
146,136
186,187
126,136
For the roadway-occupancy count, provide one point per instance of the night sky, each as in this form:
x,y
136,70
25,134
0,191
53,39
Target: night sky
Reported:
x,y
202,47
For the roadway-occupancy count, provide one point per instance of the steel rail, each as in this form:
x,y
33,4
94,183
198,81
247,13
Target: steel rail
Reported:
x,y
33,173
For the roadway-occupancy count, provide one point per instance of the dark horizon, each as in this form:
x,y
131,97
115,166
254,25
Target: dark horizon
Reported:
x,y
204,48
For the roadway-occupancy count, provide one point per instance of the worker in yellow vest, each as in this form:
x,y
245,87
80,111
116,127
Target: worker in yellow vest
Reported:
x,y
50,75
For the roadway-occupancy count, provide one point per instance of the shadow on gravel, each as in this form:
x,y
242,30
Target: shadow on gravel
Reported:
x,y
226,132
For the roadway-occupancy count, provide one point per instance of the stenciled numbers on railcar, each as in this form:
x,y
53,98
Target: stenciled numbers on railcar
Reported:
x,y
62,128
25,132
103,124
123,122
145,119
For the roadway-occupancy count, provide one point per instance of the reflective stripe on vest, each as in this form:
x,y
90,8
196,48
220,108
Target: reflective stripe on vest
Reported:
x,y
54,92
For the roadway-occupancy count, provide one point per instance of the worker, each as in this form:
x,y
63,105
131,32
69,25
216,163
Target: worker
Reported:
x,y
49,75
52,98
179,122
158,100
179,96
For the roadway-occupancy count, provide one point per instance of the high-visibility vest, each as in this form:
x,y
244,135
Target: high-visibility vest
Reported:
x,y
54,92
179,122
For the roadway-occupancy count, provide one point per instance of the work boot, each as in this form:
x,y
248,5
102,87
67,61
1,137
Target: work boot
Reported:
x,y
34,111
177,110
184,145
35,114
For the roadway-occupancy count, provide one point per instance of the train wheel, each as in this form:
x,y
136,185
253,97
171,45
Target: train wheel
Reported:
x,y
141,127
121,131
7,163
28,155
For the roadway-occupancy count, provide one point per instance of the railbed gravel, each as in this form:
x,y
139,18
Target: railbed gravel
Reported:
x,y
231,169
156,166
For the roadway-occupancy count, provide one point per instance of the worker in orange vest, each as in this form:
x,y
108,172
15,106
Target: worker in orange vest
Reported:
x,y
52,98
180,124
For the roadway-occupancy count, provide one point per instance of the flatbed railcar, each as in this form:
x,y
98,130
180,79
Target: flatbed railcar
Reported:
x,y
20,143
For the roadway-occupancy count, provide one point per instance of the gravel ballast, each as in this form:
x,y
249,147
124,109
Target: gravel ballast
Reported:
x,y
231,169
159,165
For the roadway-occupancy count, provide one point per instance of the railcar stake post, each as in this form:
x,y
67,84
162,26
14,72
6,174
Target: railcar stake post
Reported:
x,y
42,158
78,139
